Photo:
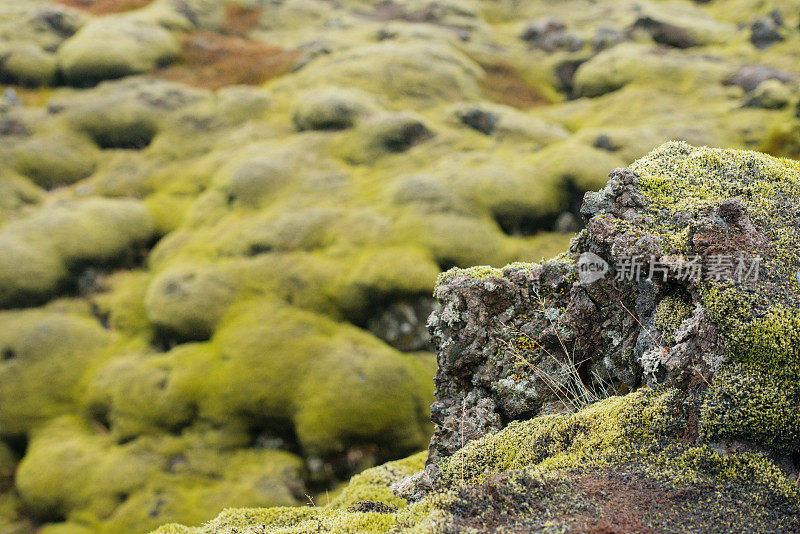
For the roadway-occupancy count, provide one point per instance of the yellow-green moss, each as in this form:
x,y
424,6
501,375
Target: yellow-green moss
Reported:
x,y
44,356
613,428
669,314
88,478
748,404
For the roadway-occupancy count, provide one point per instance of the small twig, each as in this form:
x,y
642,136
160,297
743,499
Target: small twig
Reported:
x,y
310,500
696,370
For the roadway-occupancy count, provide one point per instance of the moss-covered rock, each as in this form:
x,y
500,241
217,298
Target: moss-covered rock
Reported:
x,y
72,472
27,64
113,48
329,109
44,356
43,247
638,63
189,300
55,160
419,72
529,441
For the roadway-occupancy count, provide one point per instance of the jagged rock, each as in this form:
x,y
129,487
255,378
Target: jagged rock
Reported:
x,y
403,324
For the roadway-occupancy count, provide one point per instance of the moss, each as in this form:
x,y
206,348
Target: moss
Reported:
x,y
90,230
374,484
614,427
384,134
250,180
669,315
627,437
27,271
115,47
65,528
420,72
70,471
188,300
311,358
136,394
27,64
513,125
123,303
41,248
308,227
51,161
679,177
330,109
636,63
747,404
43,355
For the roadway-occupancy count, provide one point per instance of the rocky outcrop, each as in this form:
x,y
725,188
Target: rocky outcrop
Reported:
x,y
649,295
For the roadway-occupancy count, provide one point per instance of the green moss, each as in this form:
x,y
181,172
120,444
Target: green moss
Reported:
x,y
630,63
28,64
330,109
627,436
44,356
54,160
669,315
188,300
27,271
311,359
747,404
123,304
39,248
679,177
373,484
767,343
115,47
397,70
72,472
613,428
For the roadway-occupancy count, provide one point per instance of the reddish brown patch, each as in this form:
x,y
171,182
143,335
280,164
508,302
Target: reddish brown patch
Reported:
x,y
625,501
240,19
106,7
504,84
212,60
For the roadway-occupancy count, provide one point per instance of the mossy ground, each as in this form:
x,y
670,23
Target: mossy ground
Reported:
x,y
171,225
622,463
